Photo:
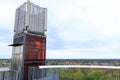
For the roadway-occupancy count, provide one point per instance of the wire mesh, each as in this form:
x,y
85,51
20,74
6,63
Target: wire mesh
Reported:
x,y
37,22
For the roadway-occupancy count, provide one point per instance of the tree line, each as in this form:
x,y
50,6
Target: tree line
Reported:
x,y
88,74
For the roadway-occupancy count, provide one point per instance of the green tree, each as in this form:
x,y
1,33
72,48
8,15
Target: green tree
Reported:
x,y
94,75
78,75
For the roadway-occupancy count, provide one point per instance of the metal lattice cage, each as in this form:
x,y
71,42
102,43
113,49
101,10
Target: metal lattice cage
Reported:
x,y
37,19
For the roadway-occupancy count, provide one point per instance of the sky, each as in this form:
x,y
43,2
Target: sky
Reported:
x,y
76,29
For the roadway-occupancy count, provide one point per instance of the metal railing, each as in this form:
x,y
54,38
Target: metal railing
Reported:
x,y
66,72
72,72
9,75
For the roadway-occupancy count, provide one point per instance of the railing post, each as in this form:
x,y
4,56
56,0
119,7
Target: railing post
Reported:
x,y
3,75
53,73
59,73
30,73
33,73
17,74
119,74
42,74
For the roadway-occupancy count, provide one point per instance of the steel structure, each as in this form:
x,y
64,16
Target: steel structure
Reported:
x,y
29,43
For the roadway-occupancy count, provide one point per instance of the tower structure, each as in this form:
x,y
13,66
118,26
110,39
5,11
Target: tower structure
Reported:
x,y
29,43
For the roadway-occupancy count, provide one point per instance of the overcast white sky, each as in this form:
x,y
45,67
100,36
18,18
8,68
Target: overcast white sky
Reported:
x,y
76,28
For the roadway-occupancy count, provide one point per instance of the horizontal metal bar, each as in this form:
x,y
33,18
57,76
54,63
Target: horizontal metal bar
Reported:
x,y
78,66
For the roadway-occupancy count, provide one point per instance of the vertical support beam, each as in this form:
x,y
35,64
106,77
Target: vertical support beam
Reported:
x,y
45,19
3,75
28,15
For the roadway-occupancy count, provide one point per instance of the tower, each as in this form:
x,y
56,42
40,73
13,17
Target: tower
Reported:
x,y
29,43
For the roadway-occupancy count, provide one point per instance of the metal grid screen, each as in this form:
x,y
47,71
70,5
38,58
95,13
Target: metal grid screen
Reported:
x,y
37,20
20,19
